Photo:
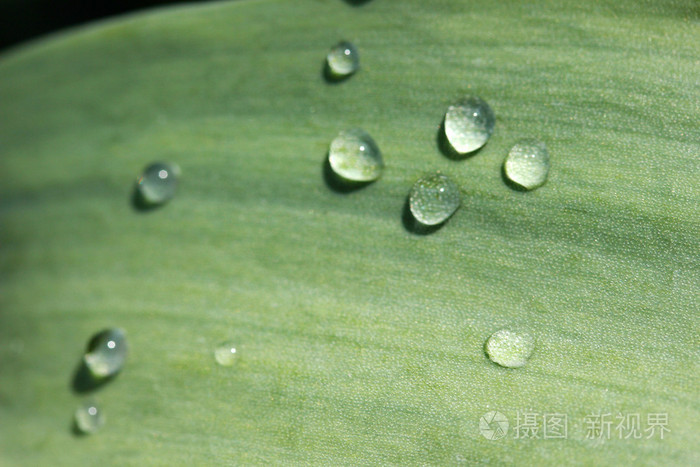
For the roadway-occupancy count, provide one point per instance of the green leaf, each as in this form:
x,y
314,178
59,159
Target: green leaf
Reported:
x,y
361,342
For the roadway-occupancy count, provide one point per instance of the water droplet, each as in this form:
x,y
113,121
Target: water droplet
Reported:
x,y
433,199
106,353
343,60
510,349
468,124
527,164
158,182
88,418
226,354
355,156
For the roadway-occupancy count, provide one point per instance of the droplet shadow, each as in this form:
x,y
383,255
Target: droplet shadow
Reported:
x,y
338,184
333,78
446,148
510,183
76,431
412,225
83,380
356,2
140,204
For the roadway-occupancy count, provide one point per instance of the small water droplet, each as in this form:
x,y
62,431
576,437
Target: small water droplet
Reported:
x,y
158,182
106,353
226,354
343,60
510,349
433,199
88,418
527,164
355,156
468,124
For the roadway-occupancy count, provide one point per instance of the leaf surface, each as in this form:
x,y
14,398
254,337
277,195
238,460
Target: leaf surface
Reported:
x,y
360,340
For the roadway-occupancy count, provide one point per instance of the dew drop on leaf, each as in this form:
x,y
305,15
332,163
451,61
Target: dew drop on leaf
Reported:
x,y
510,349
158,182
354,156
343,60
527,164
468,124
106,353
88,418
226,354
433,199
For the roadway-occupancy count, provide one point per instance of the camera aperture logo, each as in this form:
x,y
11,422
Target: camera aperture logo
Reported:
x,y
493,425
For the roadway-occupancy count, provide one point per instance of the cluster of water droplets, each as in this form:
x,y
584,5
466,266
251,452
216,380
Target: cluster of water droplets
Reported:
x,y
103,359
353,156
467,126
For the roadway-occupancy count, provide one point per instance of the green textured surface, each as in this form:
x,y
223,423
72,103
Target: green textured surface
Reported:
x,y
361,342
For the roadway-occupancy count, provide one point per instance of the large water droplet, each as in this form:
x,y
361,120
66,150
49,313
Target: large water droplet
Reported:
x,y
433,199
106,353
354,156
527,164
509,348
468,124
343,60
226,354
157,183
88,418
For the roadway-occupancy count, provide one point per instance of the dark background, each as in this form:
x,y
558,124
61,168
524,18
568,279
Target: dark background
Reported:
x,y
22,20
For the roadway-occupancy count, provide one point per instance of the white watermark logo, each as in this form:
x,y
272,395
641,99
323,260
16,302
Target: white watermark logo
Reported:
x,y
493,425
555,425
